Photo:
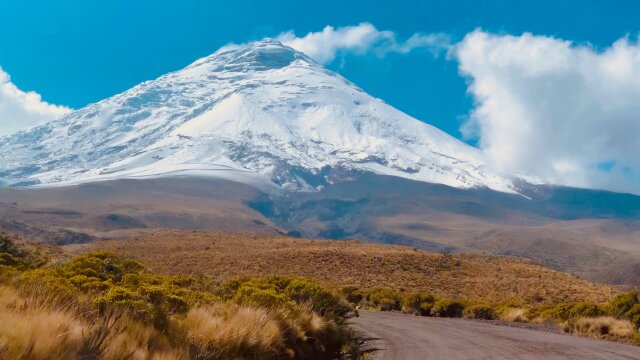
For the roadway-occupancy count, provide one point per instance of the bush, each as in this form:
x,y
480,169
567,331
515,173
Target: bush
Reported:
x,y
565,311
625,305
418,303
283,291
256,296
388,304
352,294
116,283
14,256
484,312
7,259
8,246
102,265
447,308
123,298
634,315
383,298
586,310
317,297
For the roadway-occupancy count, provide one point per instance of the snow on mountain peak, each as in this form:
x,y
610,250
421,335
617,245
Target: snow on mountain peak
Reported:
x,y
267,54
259,113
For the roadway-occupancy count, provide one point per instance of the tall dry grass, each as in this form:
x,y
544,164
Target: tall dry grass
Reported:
x,y
36,330
30,331
603,327
33,329
220,331
101,306
513,315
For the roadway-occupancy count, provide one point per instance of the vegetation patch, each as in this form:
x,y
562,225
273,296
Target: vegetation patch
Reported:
x,y
98,302
102,306
602,327
472,277
480,311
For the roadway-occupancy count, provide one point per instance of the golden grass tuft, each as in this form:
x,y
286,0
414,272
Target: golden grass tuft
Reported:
x,y
37,332
513,315
221,331
602,327
133,340
33,330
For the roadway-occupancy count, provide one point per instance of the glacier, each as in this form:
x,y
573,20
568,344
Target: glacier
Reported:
x,y
261,113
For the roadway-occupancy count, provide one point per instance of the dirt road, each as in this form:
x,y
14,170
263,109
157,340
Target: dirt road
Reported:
x,y
407,337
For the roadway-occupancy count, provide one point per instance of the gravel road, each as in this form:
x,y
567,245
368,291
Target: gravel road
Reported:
x,y
395,336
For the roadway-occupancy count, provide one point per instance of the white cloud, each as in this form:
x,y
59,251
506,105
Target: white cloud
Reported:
x,y
325,45
20,110
565,113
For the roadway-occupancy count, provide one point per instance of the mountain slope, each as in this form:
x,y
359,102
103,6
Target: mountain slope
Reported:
x,y
554,228
234,255
262,113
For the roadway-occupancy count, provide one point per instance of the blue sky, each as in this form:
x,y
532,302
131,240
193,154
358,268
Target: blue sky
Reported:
x,y
544,88
74,52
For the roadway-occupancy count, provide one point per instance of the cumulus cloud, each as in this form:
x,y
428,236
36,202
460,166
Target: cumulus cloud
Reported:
x,y
20,110
564,113
325,45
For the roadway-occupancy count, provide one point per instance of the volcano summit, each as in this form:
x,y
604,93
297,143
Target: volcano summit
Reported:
x,y
257,113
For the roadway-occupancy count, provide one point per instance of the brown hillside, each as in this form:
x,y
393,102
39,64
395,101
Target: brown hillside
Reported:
x,y
230,255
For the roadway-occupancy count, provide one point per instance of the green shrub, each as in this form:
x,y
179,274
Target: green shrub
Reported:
x,y
162,302
96,286
14,256
586,310
384,299
447,308
418,303
131,280
8,246
47,281
558,312
634,315
352,294
111,282
169,297
277,284
102,265
623,303
481,311
256,296
288,292
565,311
126,299
320,299
7,259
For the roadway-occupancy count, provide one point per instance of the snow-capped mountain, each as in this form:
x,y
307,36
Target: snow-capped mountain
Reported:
x,y
256,112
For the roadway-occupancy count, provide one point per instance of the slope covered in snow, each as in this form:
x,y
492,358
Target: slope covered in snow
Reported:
x,y
262,112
